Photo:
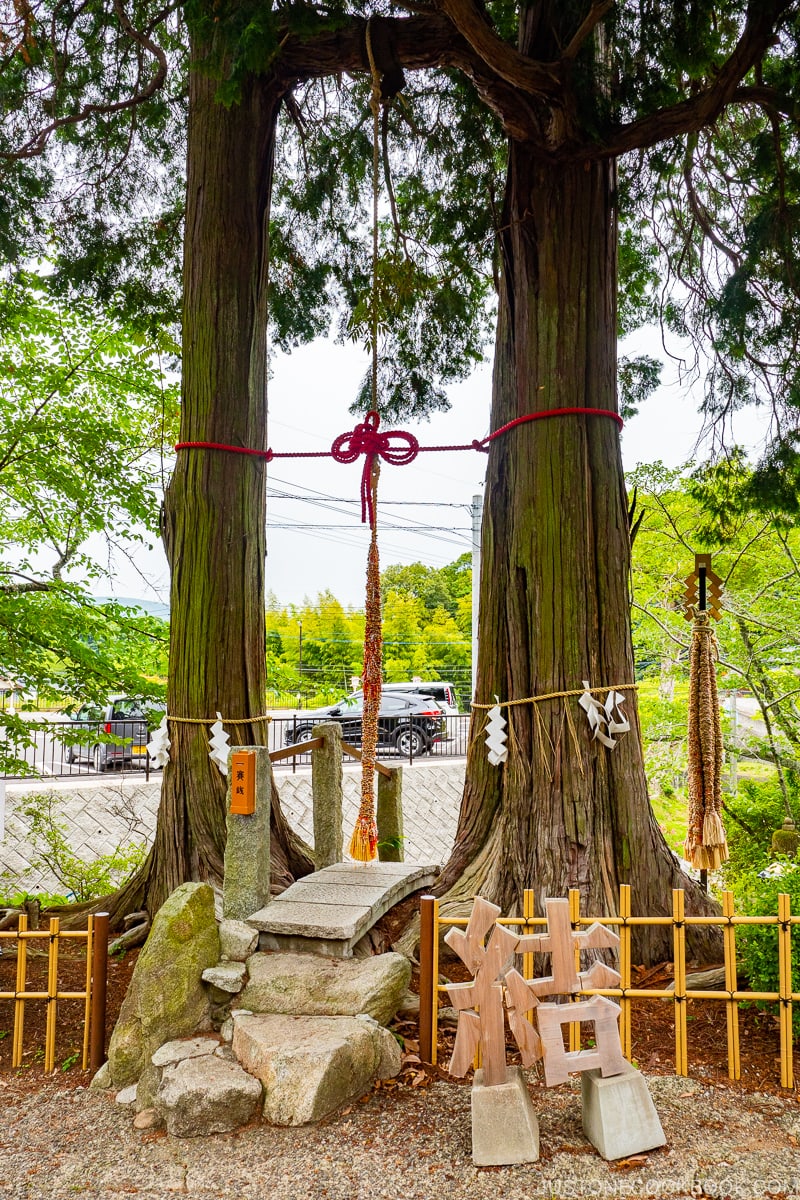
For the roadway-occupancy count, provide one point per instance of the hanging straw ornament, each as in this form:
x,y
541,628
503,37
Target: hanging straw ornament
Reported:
x,y
364,842
706,846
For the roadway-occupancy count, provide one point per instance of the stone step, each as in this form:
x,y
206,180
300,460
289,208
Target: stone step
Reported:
x,y
310,1066
310,985
328,911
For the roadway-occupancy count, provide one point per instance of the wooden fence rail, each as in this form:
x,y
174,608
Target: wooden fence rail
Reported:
x,y
625,994
93,995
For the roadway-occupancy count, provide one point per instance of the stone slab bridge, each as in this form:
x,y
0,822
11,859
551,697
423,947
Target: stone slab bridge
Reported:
x,y
329,911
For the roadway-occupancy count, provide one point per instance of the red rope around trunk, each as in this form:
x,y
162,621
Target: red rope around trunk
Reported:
x,y
365,439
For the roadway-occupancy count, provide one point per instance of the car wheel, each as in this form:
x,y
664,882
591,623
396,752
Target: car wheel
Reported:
x,y
410,743
301,734
69,754
100,763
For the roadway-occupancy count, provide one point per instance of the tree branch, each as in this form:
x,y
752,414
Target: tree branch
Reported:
x,y
592,18
535,78
37,144
691,115
420,43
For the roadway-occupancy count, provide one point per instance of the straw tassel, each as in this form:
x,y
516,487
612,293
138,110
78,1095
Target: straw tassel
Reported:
x,y
706,846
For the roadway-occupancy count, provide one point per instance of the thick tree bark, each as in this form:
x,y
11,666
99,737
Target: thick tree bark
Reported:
x,y
214,512
563,811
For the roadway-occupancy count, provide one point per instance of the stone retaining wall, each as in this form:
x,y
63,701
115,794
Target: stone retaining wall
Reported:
x,y
101,814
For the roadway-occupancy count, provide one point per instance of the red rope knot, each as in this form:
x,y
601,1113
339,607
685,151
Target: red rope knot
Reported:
x,y
365,439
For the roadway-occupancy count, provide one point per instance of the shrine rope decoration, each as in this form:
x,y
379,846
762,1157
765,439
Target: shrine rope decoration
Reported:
x,y
395,446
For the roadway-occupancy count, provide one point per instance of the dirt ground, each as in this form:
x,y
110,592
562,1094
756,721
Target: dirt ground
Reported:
x,y
653,1029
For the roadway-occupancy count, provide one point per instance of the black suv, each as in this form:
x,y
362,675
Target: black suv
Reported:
x,y
408,723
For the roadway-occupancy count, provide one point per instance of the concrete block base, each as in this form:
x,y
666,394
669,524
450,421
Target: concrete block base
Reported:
x,y
504,1126
619,1117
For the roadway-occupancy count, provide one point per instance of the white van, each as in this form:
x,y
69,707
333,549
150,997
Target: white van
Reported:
x,y
443,693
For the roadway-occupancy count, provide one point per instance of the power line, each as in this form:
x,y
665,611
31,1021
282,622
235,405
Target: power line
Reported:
x,y
398,528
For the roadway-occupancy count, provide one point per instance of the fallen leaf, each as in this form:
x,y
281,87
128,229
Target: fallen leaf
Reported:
x,y
627,1164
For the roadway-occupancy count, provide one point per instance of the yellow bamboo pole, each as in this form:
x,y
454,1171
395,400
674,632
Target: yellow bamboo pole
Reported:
x,y
729,945
528,911
785,986
87,1012
625,969
19,989
52,997
679,975
575,917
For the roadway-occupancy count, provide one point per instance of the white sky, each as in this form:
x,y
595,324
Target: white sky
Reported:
x,y
309,396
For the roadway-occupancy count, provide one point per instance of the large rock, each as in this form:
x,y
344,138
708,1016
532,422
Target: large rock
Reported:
x,y
309,985
310,1066
206,1095
166,998
237,940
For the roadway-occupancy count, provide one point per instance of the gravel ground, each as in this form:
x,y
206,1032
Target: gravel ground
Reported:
x,y
409,1144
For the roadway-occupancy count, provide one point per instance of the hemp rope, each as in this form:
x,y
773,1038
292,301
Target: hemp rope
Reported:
x,y
224,720
364,841
541,733
617,687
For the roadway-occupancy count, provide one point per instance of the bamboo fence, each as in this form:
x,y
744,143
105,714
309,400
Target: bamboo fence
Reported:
x,y
625,994
93,995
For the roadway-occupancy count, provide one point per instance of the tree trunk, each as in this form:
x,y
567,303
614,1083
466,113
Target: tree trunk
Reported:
x,y
214,510
564,811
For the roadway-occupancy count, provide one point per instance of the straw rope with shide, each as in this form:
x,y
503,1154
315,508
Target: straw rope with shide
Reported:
x,y
541,732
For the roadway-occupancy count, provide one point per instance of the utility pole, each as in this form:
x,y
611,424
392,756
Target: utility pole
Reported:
x,y
477,515
300,670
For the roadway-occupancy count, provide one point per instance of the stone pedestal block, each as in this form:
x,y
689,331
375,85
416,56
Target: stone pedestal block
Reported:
x,y
245,886
619,1117
504,1126
390,816
326,789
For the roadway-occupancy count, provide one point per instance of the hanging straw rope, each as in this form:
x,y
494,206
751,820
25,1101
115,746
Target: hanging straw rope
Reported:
x,y
706,846
364,842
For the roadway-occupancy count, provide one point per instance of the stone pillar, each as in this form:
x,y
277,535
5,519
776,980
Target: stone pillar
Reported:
x,y
245,886
326,790
390,816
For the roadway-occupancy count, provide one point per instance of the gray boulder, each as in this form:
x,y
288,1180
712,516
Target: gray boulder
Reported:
x,y
237,940
226,977
199,1096
309,985
310,1066
166,998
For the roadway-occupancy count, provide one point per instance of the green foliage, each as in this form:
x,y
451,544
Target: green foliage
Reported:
x,y
85,409
80,880
753,814
426,633
757,556
757,945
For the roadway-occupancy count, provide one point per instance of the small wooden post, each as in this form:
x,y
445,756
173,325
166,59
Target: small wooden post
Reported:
x,y
428,906
390,816
97,1048
326,792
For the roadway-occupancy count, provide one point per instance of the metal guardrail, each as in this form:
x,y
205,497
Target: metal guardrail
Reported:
x,y
63,749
